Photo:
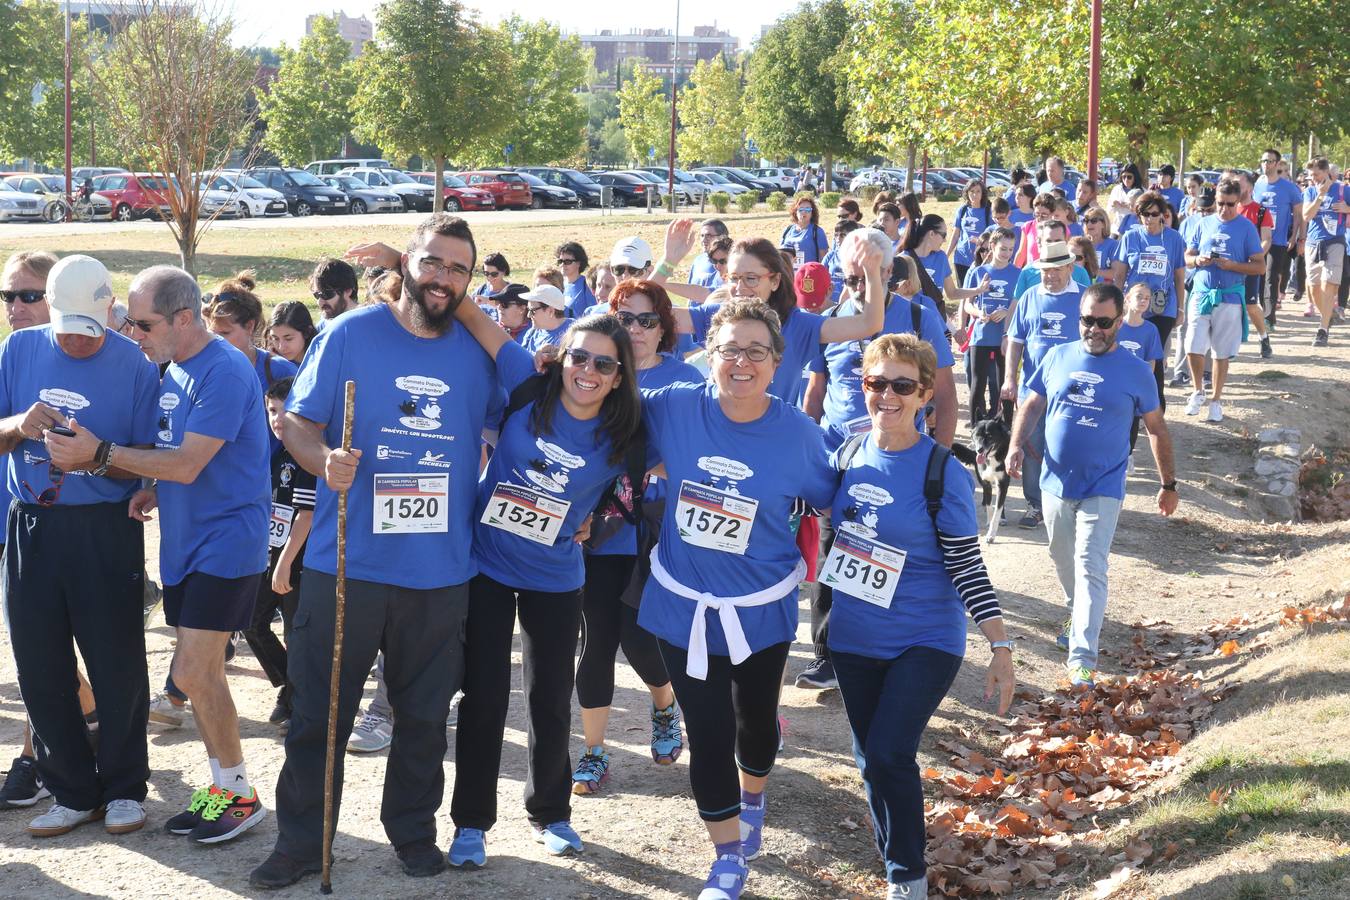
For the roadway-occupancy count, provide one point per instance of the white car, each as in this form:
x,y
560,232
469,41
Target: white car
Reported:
x,y
416,197
252,196
786,179
717,183
20,206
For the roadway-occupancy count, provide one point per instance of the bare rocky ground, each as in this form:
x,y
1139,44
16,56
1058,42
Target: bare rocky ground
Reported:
x,y
1213,561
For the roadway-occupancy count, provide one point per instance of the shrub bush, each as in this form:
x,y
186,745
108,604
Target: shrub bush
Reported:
x,y
867,193
746,202
777,201
807,194
948,196
720,200
670,202
830,199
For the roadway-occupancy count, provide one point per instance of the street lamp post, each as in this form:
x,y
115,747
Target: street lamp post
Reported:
x,y
69,192
1094,88
674,94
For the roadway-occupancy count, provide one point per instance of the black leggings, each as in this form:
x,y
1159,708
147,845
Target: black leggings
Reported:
x,y
988,379
1164,324
1277,274
732,721
606,623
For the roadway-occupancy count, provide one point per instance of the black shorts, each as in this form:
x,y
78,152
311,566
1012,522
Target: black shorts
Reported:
x,y
210,603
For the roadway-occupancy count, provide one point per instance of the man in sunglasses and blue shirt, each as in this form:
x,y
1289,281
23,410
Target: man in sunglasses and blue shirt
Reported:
x,y
1088,392
334,286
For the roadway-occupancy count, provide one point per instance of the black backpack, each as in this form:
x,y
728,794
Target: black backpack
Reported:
x,y
934,476
622,500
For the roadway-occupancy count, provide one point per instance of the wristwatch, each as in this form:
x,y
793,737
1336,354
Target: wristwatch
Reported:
x,y
101,458
1170,486
995,645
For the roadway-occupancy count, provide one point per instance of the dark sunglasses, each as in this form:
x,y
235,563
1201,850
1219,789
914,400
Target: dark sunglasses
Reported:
x,y
48,496
565,261
1151,214
625,271
605,365
325,295
901,387
718,260
1227,203
503,304
647,320
1102,322
853,282
22,296
489,273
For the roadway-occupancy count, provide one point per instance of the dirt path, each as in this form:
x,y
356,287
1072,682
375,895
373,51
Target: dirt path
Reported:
x,y
643,840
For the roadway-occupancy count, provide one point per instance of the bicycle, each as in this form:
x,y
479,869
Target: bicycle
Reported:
x,y
61,210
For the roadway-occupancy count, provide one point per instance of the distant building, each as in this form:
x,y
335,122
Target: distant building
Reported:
x,y
354,31
653,47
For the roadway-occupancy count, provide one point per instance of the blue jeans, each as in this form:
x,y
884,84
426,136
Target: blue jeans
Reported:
x,y
1032,464
1080,546
889,703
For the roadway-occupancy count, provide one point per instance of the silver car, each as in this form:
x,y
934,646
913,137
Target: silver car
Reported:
x,y
53,187
18,206
364,198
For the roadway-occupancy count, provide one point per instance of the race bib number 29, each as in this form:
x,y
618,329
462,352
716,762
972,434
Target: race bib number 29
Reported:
x,y
863,568
715,519
411,504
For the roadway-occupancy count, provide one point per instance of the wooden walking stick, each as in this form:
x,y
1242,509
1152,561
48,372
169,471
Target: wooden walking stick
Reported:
x,y
334,679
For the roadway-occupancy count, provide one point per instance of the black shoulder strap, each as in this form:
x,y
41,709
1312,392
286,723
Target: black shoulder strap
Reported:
x,y
527,392
935,480
916,316
847,450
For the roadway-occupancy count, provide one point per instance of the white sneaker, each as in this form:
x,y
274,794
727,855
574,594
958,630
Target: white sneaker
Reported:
x,y
124,816
1215,411
1195,404
373,733
163,711
59,820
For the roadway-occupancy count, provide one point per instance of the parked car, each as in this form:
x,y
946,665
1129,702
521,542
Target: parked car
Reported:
x,y
785,178
333,166
659,182
743,178
543,194
80,173
629,190
585,187
305,194
21,206
684,181
458,195
214,202
53,187
716,182
416,197
252,196
510,190
134,195
361,197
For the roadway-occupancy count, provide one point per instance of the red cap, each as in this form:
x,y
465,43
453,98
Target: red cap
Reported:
x,y
812,284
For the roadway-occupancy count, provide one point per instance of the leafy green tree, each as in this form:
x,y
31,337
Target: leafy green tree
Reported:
x,y
797,94
34,125
644,114
430,84
710,113
306,108
549,120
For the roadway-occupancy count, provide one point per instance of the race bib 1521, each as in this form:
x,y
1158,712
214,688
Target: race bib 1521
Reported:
x,y
525,513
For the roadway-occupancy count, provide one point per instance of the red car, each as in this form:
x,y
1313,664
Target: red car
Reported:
x,y
508,188
134,195
458,195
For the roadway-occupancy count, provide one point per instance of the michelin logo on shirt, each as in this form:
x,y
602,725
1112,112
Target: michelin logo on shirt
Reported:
x,y
730,471
542,473
434,460
862,519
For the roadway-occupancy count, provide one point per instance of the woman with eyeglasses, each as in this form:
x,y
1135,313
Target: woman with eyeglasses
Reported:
x,y
722,597
495,271
803,234
1155,255
290,330
898,642
1121,201
1097,228
572,262
972,218
617,566
849,209
564,440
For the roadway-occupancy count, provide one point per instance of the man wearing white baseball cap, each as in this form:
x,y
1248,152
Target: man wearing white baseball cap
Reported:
x,y
73,566
548,317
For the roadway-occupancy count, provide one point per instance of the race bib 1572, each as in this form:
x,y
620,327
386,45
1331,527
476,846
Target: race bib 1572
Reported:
x,y
713,518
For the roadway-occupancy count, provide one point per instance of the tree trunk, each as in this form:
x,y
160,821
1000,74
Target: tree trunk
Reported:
x,y
438,202
913,152
1314,147
828,184
1293,158
187,245
1138,152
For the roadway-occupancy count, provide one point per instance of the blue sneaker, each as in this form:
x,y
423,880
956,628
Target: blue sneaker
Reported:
x,y
726,879
752,828
667,735
1062,639
592,771
559,838
467,850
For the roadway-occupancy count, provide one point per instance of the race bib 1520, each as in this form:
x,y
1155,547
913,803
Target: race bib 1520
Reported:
x,y
411,504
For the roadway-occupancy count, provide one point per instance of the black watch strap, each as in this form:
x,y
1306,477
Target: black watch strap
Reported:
x,y
101,458
1170,486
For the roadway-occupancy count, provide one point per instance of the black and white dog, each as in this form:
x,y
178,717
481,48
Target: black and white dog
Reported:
x,y
988,458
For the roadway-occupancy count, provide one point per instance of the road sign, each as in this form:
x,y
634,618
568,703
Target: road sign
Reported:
x,y
651,153
752,147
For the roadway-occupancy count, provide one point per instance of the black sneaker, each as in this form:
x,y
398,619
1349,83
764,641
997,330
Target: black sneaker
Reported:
x,y
818,674
1032,518
281,713
421,859
226,815
190,818
23,786
1321,339
279,871
1266,352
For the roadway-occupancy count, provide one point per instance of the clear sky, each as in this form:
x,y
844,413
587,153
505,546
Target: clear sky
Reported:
x,y
269,22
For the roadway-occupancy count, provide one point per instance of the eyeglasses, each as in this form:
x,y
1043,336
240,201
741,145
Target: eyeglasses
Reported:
x,y
749,281
625,271
431,266
1270,161
754,353
48,496
146,324
1078,258
1151,214
647,320
565,261
940,234
328,294
1228,203
805,209
22,296
718,261
537,307
1101,322
503,304
490,273
901,387
853,282
605,365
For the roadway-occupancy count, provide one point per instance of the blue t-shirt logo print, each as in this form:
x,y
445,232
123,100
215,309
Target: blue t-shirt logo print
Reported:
x,y
417,414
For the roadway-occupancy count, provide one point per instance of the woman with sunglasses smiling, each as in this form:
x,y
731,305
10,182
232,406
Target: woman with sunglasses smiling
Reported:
x,y
572,262
803,235
905,578
495,269
556,455
616,565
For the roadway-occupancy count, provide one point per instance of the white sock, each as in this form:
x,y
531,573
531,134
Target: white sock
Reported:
x,y
215,771
233,778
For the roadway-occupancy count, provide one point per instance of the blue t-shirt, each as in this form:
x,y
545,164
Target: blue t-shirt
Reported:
x,y
704,273
1189,227
1327,225
801,336
810,244
773,460
1091,402
999,296
938,268
534,339
1282,198
881,497
569,464
845,410
836,268
280,368
971,221
670,370
1106,254
1141,340
216,525
112,393
1016,217
1235,240
1041,321
1031,276
1070,192
1173,195
1153,259
421,405
1128,222
580,298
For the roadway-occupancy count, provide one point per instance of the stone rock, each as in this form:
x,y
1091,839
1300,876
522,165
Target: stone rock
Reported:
x,y
1279,508
1278,435
1274,465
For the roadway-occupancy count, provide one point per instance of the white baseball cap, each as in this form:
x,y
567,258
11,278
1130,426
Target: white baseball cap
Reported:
x,y
546,294
633,251
80,293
